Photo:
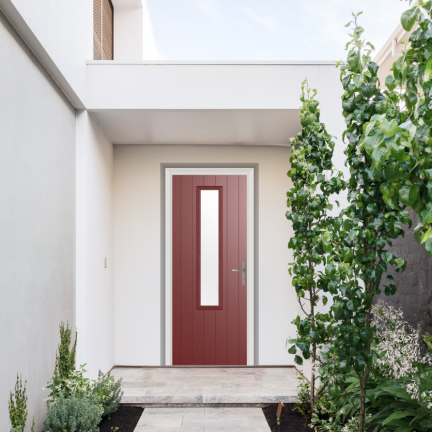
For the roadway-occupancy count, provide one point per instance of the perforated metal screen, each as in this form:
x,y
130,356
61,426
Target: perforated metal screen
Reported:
x,y
103,30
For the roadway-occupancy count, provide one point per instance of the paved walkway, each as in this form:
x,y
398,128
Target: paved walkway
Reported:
x,y
202,420
207,386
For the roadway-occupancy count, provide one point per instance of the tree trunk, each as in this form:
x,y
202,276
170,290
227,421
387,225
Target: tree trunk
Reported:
x,y
362,413
312,388
312,385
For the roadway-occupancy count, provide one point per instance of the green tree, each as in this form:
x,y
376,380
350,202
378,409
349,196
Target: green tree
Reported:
x,y
353,273
309,199
409,168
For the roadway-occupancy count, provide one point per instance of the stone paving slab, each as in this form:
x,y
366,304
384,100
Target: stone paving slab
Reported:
x,y
214,385
202,420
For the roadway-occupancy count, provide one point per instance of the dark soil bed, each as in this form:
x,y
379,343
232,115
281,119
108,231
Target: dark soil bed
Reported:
x,y
292,421
125,418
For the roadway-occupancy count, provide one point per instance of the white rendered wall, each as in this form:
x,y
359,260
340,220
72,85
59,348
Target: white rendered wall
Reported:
x,y
149,42
137,245
128,33
37,223
65,30
211,85
133,32
95,289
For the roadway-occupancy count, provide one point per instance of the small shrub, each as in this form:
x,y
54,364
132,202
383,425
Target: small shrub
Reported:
x,y
72,414
303,391
326,417
108,392
402,355
65,361
352,425
76,384
18,408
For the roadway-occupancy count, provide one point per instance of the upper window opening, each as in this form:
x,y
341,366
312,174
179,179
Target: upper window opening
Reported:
x,y
103,30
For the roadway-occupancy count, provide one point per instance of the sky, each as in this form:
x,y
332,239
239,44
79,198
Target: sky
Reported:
x,y
266,29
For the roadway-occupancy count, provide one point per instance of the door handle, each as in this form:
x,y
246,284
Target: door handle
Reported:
x,y
243,270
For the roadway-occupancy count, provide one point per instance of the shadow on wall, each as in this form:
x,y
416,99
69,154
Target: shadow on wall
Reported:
x,y
414,286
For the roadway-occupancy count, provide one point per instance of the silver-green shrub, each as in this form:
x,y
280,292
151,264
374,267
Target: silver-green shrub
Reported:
x,y
72,414
108,392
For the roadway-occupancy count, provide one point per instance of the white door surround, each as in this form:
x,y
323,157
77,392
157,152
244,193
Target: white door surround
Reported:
x,y
169,172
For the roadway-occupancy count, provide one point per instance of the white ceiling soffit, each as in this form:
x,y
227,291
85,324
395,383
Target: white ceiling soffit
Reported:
x,y
236,127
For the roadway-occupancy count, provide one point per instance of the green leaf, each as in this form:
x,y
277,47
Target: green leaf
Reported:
x,y
396,390
398,152
347,255
387,256
354,60
392,171
428,245
330,271
352,305
428,71
426,235
379,156
324,300
298,360
404,217
389,82
354,339
408,194
400,262
314,335
389,128
304,328
426,214
398,415
373,141
292,350
327,247
404,428
408,18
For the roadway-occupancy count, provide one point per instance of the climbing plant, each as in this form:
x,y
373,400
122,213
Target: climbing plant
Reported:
x,y
409,168
359,257
314,180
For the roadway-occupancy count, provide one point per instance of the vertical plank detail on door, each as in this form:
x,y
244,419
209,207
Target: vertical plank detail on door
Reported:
x,y
198,318
187,277
242,230
176,280
222,315
233,277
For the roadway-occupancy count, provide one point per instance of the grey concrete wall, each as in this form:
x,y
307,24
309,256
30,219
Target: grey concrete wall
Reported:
x,y
37,222
414,294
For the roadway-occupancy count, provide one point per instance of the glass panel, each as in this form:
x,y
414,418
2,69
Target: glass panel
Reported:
x,y
209,247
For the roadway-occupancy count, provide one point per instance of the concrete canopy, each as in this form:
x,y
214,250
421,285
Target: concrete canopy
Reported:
x,y
202,103
256,127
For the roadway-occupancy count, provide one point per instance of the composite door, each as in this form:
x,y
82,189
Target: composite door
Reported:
x,y
209,242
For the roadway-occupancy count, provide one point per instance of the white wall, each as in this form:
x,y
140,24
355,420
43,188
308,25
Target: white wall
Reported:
x,y
133,32
204,85
95,289
37,223
128,33
137,245
65,30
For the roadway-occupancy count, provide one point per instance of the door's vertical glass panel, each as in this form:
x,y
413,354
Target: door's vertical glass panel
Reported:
x,y
209,247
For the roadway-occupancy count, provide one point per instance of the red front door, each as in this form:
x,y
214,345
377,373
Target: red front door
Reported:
x,y
209,242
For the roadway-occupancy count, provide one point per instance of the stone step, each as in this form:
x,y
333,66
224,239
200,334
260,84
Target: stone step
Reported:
x,y
168,386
